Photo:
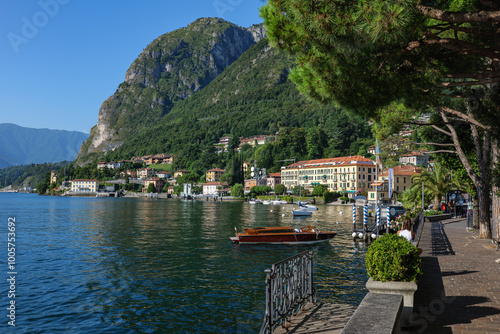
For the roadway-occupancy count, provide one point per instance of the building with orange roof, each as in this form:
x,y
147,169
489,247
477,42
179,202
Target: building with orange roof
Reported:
x,y
415,158
214,174
401,182
273,179
348,174
157,183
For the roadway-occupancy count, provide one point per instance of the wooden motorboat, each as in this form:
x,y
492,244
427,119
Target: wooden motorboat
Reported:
x,y
282,235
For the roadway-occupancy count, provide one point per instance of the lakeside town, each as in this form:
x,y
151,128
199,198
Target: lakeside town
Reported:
x,y
350,176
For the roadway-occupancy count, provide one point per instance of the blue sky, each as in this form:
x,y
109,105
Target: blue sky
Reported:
x,y
60,59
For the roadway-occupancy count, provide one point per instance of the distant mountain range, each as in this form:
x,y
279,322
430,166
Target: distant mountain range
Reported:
x,y
22,146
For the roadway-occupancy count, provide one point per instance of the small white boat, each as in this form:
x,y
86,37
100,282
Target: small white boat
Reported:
x,y
301,212
310,207
266,202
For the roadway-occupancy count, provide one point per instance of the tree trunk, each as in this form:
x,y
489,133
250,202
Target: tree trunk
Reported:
x,y
481,181
484,213
475,212
495,192
437,202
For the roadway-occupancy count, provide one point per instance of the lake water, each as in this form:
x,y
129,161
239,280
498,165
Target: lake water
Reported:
x,y
129,265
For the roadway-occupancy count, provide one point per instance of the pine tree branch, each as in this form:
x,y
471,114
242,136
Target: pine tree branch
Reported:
x,y
441,130
443,151
461,154
462,47
467,118
434,144
483,16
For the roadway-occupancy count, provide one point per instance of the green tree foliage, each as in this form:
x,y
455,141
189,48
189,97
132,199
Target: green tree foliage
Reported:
x,y
227,178
318,190
259,190
250,101
316,143
151,188
373,57
437,183
279,189
329,196
237,190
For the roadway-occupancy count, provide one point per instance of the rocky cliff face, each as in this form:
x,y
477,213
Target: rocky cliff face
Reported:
x,y
171,68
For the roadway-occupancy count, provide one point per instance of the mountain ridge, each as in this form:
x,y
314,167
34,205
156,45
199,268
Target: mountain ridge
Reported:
x,y
21,145
171,68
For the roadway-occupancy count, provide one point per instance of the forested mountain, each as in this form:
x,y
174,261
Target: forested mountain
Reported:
x,y
170,69
252,95
22,146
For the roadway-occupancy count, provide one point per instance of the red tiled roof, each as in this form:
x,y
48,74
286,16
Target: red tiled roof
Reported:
x,y
216,170
340,161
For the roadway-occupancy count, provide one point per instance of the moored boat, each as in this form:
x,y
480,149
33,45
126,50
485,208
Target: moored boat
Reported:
x,y
282,235
309,207
301,212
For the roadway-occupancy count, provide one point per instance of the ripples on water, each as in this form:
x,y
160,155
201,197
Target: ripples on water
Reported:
x,y
105,265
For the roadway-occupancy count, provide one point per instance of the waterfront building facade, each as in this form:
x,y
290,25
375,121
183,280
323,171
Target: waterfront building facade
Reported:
x,y
82,185
157,183
253,183
273,179
379,190
214,188
343,174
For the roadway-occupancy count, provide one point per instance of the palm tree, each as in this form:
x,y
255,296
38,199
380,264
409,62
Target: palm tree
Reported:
x,y
437,182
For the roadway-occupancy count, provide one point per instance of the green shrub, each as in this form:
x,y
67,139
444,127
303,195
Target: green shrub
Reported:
x,y
346,199
329,196
432,212
393,258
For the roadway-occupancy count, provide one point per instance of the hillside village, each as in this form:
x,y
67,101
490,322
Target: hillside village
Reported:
x,y
350,176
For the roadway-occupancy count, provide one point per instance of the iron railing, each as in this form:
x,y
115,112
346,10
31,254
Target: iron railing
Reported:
x,y
417,226
289,287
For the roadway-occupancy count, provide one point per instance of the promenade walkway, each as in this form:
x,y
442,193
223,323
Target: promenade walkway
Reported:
x,y
460,289
459,292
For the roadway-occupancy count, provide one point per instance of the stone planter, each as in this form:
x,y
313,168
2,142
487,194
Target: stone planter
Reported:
x,y
406,289
436,218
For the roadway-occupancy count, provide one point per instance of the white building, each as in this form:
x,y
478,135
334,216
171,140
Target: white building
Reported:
x,y
213,188
84,185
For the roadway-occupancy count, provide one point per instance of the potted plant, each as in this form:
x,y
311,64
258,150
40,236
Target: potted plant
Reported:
x,y
394,266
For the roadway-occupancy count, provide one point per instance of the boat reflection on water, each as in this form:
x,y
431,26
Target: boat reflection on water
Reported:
x,y
282,235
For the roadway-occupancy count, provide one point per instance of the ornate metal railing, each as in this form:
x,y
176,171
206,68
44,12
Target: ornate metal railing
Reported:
x,y
417,226
289,287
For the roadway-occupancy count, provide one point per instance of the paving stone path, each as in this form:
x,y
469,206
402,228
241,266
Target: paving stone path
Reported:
x,y
460,289
319,318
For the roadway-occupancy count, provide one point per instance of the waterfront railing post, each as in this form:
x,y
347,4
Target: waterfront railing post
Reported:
x,y
365,221
388,225
268,317
312,297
